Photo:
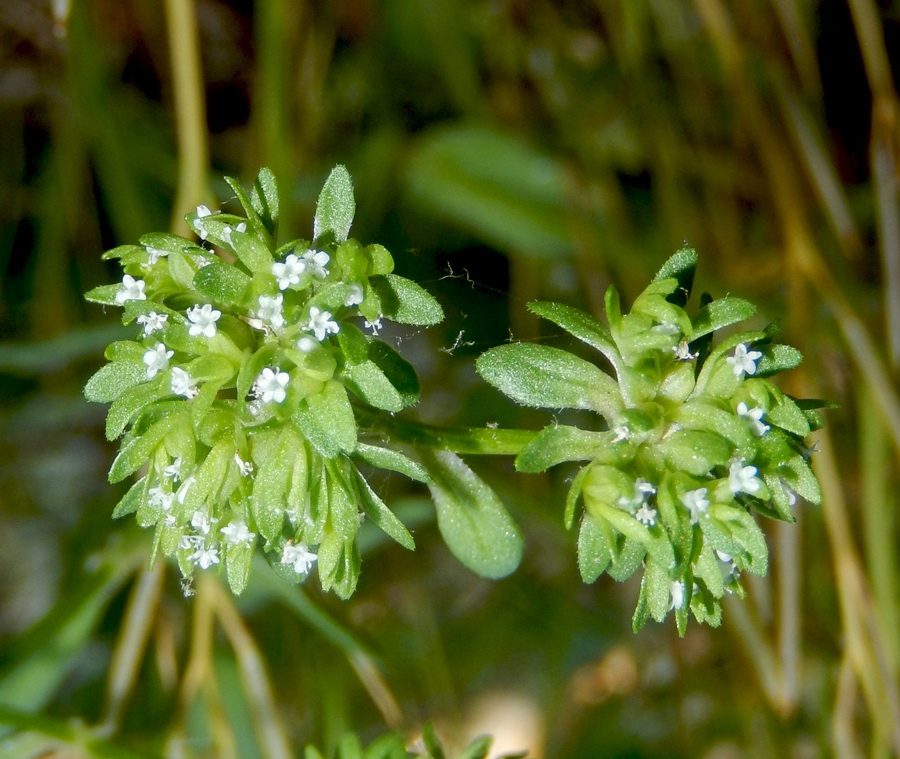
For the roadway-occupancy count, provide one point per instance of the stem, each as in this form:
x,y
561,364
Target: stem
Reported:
x,y
490,441
190,108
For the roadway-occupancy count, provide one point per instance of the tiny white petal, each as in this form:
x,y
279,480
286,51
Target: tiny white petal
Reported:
x,y
743,361
152,322
173,470
203,320
270,310
354,296
271,386
375,326
157,360
288,273
237,533
132,289
154,254
299,557
696,502
321,324
676,594
743,479
245,467
205,557
183,384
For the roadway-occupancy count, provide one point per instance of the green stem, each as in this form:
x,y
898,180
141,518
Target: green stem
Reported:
x,y
190,108
490,441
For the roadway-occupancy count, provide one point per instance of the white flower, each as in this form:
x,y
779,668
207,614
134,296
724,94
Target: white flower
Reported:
x,y
724,557
183,383
645,515
205,557
152,322
321,323
226,232
683,352
188,542
288,273
244,467
375,326
173,471
203,320
159,497
621,433
306,344
170,520
642,491
154,254
696,502
270,385
355,296
299,556
236,533
314,262
743,360
183,490
754,416
200,522
202,213
676,594
132,289
157,360
270,309
743,479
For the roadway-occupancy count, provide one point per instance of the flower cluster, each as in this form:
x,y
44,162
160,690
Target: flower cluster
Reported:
x,y
697,439
235,391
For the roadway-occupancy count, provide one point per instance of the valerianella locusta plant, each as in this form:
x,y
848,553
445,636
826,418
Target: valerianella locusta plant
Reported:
x,y
697,439
234,395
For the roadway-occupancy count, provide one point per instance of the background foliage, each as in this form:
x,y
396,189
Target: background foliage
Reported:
x,y
505,151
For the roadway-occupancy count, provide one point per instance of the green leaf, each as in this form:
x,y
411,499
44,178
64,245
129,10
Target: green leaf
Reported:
x,y
432,744
130,502
558,443
573,495
720,313
399,372
787,415
331,412
126,407
252,252
335,208
777,358
264,199
472,520
371,385
382,516
682,267
545,377
172,244
114,379
134,454
256,229
479,748
394,461
627,560
105,294
695,451
274,467
222,283
594,548
802,480
583,326
403,301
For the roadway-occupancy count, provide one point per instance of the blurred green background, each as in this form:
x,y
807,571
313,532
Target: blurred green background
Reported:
x,y
504,151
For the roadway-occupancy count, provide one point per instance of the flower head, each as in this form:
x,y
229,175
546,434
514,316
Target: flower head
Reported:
x,y
642,491
161,498
173,470
696,502
288,273
313,261
321,324
375,326
682,352
203,320
299,557
152,322
743,361
244,467
355,296
676,595
270,309
236,533
154,254
132,289
743,479
205,557
183,384
157,360
200,522
645,515
754,416
271,385
202,213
